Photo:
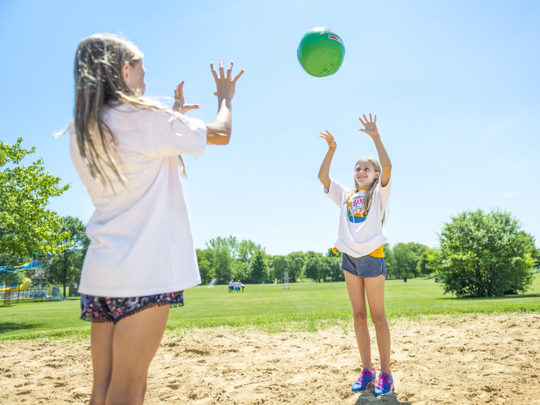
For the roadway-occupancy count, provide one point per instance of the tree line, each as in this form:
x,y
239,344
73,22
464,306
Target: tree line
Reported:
x,y
227,258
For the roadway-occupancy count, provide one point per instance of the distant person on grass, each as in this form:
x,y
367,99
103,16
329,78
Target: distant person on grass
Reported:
x,y
127,150
361,239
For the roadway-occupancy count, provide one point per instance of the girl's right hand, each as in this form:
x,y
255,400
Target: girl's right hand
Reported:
x,y
225,83
179,101
329,139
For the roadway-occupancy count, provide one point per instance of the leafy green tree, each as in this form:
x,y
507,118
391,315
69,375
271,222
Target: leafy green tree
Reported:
x,y
8,259
484,255
258,267
26,225
422,266
432,258
65,268
332,264
221,254
536,257
390,262
229,243
204,259
314,266
245,249
406,257
279,265
227,258
240,270
333,268
296,263
243,253
222,264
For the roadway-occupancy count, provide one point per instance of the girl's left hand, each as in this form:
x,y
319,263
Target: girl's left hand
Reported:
x,y
179,105
370,126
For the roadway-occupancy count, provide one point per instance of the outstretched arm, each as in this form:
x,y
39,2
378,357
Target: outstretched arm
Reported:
x,y
370,128
324,171
219,131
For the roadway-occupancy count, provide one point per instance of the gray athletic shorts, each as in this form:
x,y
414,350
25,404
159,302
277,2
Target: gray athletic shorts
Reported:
x,y
365,266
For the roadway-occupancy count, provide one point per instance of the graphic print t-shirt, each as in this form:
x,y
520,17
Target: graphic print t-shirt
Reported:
x,y
359,232
355,212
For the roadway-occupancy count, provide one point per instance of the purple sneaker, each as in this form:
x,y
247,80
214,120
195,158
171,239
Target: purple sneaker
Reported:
x,y
384,386
364,382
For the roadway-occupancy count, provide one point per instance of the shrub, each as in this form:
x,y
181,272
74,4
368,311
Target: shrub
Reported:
x,y
484,255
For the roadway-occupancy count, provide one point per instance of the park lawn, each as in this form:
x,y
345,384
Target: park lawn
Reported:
x,y
304,306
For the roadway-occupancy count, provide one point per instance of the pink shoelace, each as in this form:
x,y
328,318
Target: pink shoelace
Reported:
x,y
385,382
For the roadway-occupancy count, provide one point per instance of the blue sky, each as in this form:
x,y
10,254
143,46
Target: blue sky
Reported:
x,y
455,86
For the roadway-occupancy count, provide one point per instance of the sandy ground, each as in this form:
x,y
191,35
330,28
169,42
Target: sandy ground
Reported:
x,y
484,359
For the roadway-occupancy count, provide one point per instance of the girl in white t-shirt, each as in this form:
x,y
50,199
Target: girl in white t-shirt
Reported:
x,y
127,151
360,239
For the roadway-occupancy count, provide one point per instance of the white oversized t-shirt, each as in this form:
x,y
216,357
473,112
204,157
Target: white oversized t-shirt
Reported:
x,y
141,242
359,232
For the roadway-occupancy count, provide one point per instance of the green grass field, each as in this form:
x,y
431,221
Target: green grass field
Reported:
x,y
305,306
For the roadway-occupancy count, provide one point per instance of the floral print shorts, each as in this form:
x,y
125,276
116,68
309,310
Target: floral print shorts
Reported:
x,y
109,309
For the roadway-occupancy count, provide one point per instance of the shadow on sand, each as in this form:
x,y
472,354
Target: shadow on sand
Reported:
x,y
369,398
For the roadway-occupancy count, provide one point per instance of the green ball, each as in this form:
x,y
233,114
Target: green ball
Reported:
x,y
321,52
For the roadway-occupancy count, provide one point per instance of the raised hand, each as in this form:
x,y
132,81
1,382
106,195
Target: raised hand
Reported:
x,y
329,138
370,126
179,102
225,84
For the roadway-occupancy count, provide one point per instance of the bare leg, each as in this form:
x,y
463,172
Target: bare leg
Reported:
x,y
101,337
355,289
135,342
375,294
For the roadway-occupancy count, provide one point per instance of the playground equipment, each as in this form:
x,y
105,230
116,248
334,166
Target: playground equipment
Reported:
x,y
24,286
31,265
25,290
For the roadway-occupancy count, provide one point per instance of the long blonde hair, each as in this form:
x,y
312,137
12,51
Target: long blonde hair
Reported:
x,y
99,83
368,197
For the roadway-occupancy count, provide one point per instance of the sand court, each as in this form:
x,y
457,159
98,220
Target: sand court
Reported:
x,y
473,359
